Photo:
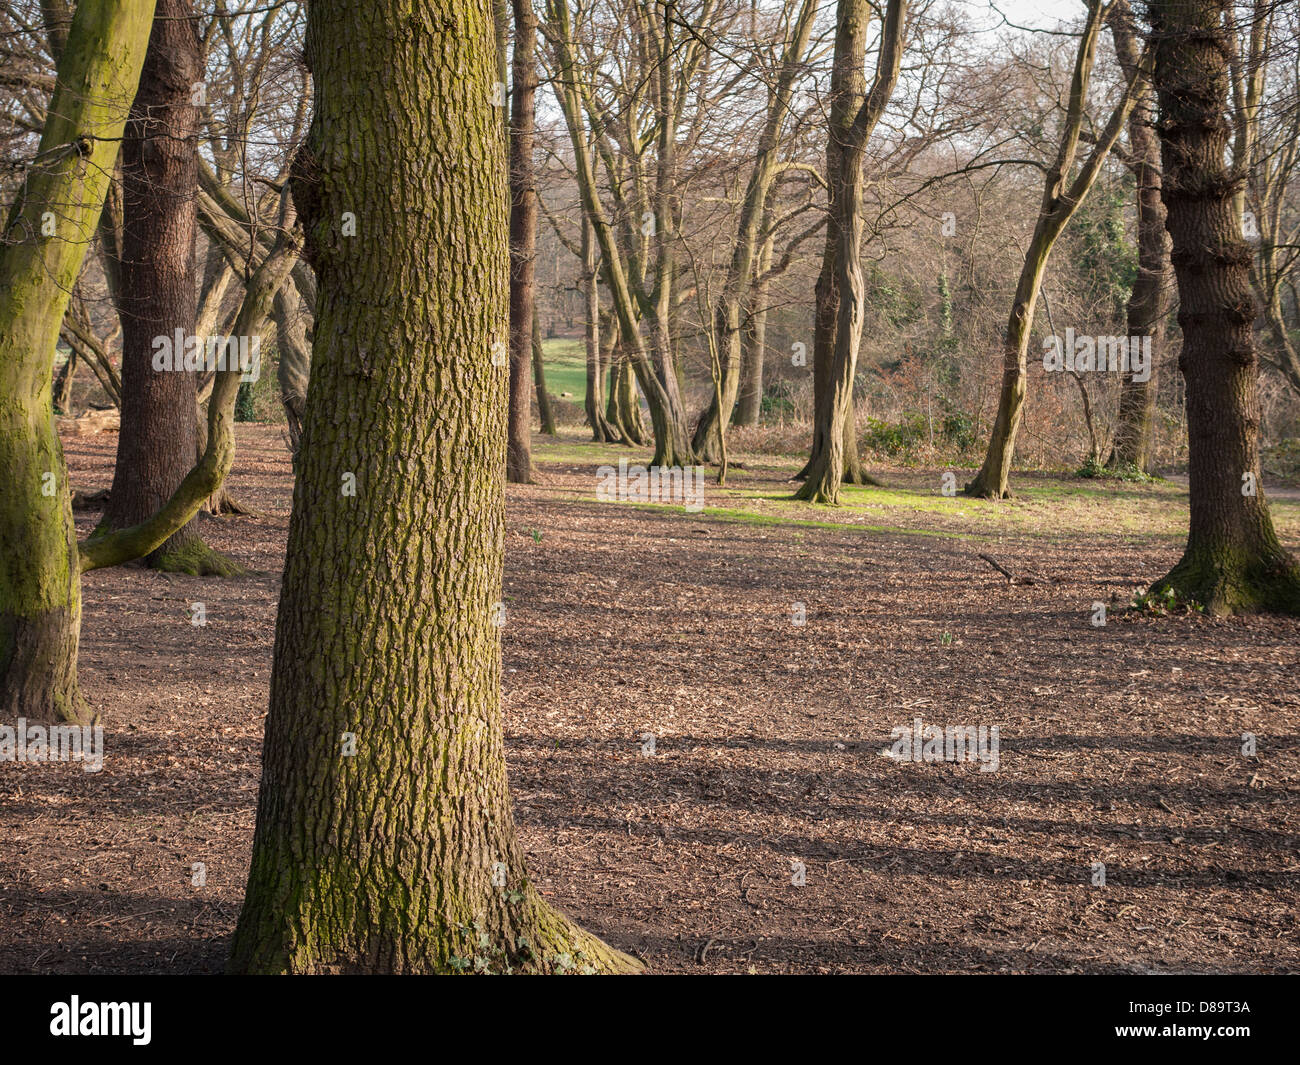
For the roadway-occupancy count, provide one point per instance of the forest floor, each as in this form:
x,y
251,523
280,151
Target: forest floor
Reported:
x,y
1119,744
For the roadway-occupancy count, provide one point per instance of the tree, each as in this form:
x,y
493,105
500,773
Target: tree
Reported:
x,y
1148,302
1061,199
523,244
1233,561
385,839
44,244
626,275
156,444
749,246
854,115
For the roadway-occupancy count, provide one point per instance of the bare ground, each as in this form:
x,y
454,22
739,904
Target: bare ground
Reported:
x,y
1119,744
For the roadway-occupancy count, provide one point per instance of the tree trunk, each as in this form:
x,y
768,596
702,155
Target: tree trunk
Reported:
x,y
1233,562
594,400
544,413
40,586
156,444
523,246
841,292
754,345
1061,198
748,244
1148,302
400,857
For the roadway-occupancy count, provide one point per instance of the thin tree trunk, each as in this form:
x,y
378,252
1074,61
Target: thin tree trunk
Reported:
x,y
385,840
523,246
40,585
594,400
748,243
1233,562
544,412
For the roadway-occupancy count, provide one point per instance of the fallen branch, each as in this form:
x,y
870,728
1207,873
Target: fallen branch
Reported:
x,y
1011,577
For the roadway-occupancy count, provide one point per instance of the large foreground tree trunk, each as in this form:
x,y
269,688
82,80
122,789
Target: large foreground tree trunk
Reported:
x,y
1233,562
40,586
385,841
156,445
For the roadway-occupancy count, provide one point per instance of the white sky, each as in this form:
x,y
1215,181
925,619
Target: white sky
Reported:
x,y
1036,13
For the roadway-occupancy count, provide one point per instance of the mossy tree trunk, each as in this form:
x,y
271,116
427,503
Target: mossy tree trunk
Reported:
x,y
854,115
44,244
400,857
1233,562
156,444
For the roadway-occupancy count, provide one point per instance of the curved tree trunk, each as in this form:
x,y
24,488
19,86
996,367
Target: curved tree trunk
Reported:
x,y
385,841
1233,562
40,585
156,445
1061,199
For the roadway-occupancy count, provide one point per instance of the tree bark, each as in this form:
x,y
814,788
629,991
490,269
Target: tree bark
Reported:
x,y
1233,562
156,445
40,586
402,856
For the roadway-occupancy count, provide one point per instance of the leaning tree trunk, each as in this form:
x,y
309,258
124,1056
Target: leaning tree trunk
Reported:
x,y
1061,199
40,586
523,245
1233,562
1148,301
156,445
385,840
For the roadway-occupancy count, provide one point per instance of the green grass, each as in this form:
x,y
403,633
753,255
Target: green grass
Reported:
x,y
565,361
